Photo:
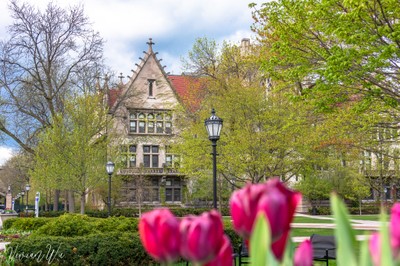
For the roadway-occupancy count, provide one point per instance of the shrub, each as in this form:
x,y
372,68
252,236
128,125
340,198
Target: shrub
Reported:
x,y
51,213
25,224
99,249
67,225
7,224
119,224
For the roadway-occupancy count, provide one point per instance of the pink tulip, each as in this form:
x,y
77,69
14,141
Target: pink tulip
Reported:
x,y
275,200
304,254
201,237
395,230
394,235
375,248
159,233
224,257
243,207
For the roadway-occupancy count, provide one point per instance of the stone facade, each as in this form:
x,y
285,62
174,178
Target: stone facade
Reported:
x,y
144,123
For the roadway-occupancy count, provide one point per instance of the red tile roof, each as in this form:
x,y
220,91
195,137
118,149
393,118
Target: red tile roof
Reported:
x,y
189,89
113,95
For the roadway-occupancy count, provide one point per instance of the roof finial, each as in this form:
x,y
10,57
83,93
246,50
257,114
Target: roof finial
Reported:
x,y
121,77
150,43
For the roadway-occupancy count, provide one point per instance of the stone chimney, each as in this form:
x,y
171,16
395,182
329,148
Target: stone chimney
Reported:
x,y
245,46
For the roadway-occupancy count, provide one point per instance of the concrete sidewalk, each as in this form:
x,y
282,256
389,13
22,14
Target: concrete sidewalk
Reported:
x,y
355,224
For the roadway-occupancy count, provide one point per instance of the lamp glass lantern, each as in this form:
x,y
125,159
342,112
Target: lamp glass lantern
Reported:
x,y
27,187
213,126
110,167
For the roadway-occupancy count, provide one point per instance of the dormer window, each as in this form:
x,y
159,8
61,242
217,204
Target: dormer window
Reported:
x,y
151,86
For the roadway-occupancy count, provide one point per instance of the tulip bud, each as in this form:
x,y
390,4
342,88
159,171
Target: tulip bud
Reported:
x,y
304,254
275,200
201,237
159,233
224,257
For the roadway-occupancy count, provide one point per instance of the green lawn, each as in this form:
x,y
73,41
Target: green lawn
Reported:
x,y
302,219
372,217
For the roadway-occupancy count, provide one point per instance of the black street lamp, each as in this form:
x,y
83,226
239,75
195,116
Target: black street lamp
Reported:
x,y
214,126
22,197
110,170
27,188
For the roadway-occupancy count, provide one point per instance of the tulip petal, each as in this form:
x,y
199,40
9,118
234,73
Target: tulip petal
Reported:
x,y
224,257
159,234
201,237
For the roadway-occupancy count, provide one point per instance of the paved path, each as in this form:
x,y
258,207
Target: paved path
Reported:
x,y
356,224
3,245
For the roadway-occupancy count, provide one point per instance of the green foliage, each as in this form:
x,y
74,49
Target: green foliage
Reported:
x,y
100,249
118,224
68,225
314,188
7,224
272,131
368,209
333,49
25,224
70,153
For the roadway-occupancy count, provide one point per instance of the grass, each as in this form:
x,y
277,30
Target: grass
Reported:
x,y
372,217
304,219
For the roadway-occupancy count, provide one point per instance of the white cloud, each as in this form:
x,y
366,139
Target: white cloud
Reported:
x,y
5,154
174,25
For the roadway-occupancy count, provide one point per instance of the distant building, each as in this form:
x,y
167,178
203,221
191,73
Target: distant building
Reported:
x,y
145,121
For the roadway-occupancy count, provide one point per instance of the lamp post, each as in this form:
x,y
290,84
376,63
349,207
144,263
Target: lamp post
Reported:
x,y
27,188
22,198
110,170
214,126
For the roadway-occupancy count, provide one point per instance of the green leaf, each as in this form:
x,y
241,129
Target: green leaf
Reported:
x,y
289,253
260,243
365,257
344,233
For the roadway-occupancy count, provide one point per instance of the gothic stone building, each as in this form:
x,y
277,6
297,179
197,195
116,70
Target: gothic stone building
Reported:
x,y
144,120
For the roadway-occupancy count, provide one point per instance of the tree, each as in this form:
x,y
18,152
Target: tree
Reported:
x,y
264,134
15,172
49,56
333,50
72,152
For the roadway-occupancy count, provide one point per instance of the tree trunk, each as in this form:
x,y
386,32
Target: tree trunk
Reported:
x,y
66,201
46,202
56,199
83,203
71,201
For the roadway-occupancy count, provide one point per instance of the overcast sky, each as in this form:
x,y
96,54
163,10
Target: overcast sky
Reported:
x,y
174,25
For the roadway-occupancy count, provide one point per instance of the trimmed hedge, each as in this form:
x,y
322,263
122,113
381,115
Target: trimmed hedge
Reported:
x,y
352,210
134,212
100,249
25,224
